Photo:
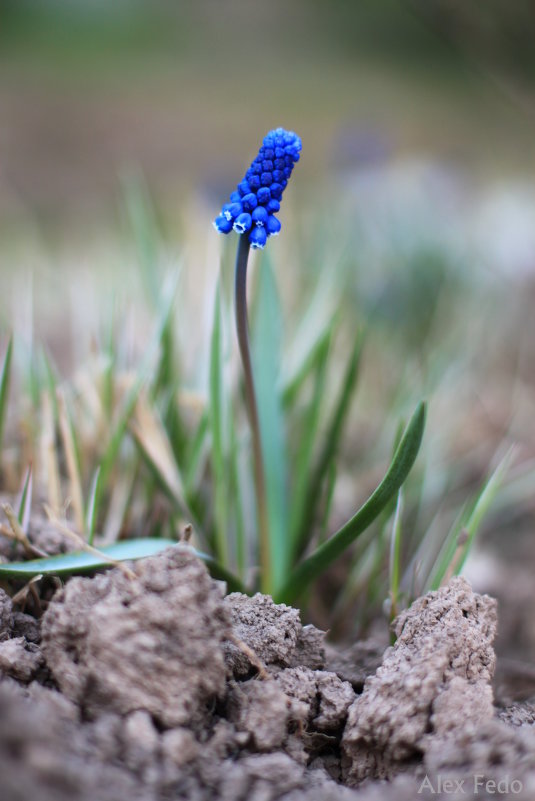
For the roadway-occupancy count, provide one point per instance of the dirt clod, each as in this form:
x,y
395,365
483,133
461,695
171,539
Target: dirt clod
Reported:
x,y
19,659
435,679
41,758
261,709
356,662
273,631
26,626
522,714
153,643
6,615
319,699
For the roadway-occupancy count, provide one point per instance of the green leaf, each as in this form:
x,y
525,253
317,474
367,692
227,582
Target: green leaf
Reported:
x,y
91,517
4,388
326,554
318,318
331,443
266,360
293,384
195,452
117,436
483,504
330,483
237,501
395,556
108,376
217,418
461,537
120,428
126,550
84,561
52,382
307,441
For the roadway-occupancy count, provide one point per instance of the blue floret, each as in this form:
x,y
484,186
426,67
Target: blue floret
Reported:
x,y
222,224
273,226
243,223
258,238
257,198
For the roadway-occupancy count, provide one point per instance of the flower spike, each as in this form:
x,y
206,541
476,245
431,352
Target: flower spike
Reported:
x,y
257,198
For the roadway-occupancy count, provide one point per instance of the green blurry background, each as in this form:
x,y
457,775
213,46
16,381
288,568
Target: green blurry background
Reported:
x,y
185,89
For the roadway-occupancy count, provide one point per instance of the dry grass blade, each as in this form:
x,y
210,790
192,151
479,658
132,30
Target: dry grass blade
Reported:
x,y
84,546
25,502
75,483
456,561
118,507
20,596
49,472
150,435
247,651
16,532
4,388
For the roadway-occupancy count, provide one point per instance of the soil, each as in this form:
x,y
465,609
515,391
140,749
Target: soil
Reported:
x,y
155,686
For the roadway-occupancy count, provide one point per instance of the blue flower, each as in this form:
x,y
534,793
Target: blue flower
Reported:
x,y
253,204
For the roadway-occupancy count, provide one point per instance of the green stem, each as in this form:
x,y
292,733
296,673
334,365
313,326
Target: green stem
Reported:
x,y
242,329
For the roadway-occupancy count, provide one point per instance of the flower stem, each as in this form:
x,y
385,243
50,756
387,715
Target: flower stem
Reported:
x,y
242,329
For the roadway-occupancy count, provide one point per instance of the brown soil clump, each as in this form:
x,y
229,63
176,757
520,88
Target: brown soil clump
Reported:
x,y
153,643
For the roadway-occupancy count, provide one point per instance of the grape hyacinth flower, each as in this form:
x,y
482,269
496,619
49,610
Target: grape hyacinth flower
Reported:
x,y
252,206
251,213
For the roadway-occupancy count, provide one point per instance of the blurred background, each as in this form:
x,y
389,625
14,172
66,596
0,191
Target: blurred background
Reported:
x,y
183,90
415,192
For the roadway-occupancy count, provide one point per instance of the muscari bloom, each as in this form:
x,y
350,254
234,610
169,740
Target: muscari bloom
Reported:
x,y
252,207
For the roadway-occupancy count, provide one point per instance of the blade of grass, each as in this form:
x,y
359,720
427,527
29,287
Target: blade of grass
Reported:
x,y
166,388
153,443
293,383
484,503
327,553
142,221
52,381
4,388
16,533
417,575
120,506
118,433
91,518
460,539
311,422
394,563
50,476
108,374
25,503
237,502
319,313
195,453
329,497
329,450
73,466
217,417
119,430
